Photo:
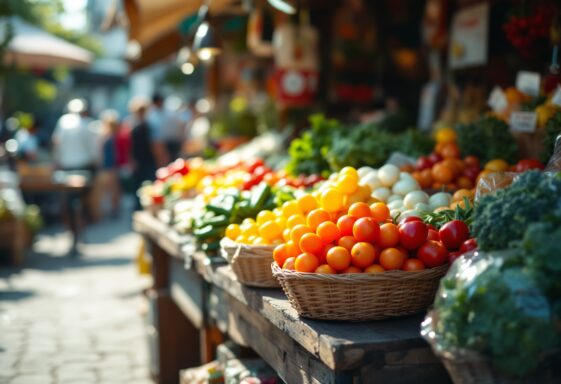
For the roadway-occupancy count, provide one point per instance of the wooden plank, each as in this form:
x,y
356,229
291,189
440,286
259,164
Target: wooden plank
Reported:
x,y
161,233
340,346
186,288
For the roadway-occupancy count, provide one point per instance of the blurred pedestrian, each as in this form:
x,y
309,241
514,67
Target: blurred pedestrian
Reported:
x,y
147,148
109,163
28,142
168,124
74,140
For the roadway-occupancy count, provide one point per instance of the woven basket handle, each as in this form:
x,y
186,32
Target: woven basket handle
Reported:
x,y
237,253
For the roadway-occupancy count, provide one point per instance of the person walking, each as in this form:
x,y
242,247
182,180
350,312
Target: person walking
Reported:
x,y
147,148
109,162
168,124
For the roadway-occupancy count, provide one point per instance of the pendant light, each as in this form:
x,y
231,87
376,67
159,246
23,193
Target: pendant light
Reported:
x,y
286,6
207,44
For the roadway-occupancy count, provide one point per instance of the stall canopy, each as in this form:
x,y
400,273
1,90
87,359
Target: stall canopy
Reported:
x,y
31,46
154,25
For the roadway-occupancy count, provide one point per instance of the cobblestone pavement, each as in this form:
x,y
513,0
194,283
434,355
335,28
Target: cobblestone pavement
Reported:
x,y
65,320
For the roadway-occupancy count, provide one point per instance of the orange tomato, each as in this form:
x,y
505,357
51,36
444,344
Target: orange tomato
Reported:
x,y
497,165
322,256
413,265
425,178
455,204
279,254
374,268
352,269
407,168
310,242
392,258
292,250
471,160
450,151
359,210
389,235
363,255
439,147
297,233
345,225
307,203
451,164
347,242
465,182
366,229
461,193
325,269
328,232
379,212
306,262
338,258
316,217
442,174
289,263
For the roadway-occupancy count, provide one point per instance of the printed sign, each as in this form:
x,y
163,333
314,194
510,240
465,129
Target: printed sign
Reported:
x,y
497,100
528,83
469,37
523,122
556,99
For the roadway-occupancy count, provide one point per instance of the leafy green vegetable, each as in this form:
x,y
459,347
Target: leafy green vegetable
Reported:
x,y
496,309
438,219
552,130
503,216
307,153
371,145
488,139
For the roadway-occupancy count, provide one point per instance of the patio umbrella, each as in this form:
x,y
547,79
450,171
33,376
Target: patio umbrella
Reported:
x,y
31,46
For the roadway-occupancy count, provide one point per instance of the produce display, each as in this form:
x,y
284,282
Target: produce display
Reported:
x,y
516,273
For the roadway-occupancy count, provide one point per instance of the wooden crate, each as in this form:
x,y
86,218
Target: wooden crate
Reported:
x,y
15,238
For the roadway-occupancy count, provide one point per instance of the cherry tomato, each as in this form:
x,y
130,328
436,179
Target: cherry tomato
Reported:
x,y
410,219
453,234
423,163
433,235
432,254
413,265
527,164
434,158
412,234
468,245
453,256
366,229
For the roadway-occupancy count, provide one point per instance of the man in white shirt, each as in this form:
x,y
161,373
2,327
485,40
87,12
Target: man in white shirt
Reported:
x,y
74,139
166,125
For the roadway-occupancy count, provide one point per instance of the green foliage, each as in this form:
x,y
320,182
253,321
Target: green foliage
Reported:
x,y
371,145
488,139
308,152
552,130
503,216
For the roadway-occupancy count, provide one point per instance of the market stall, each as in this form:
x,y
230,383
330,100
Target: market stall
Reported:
x,y
324,253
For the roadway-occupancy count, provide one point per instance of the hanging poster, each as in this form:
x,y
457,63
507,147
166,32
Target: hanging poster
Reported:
x,y
469,37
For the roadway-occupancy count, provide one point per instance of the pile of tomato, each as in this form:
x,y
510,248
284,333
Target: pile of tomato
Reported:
x,y
366,240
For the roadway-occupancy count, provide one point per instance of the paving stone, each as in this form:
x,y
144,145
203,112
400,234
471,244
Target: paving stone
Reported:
x,y
82,322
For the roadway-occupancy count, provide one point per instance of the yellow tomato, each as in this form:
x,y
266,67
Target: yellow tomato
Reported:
x,y
332,200
264,216
497,165
233,231
445,135
290,208
307,203
347,184
270,231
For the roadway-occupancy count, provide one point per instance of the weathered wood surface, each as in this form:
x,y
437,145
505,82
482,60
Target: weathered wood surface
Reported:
x,y
340,346
161,233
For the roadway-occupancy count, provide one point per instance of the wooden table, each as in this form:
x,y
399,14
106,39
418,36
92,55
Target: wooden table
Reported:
x,y
300,350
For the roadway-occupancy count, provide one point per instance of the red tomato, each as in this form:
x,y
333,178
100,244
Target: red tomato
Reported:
x,y
432,254
180,166
453,234
410,219
413,265
430,226
468,245
412,234
527,164
366,229
433,235
453,256
254,164
434,158
345,225
423,163
471,172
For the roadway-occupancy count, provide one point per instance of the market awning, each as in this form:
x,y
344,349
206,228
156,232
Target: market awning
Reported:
x,y
154,24
31,46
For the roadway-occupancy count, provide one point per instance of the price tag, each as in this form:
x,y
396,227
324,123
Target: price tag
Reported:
x,y
523,122
556,99
528,83
497,100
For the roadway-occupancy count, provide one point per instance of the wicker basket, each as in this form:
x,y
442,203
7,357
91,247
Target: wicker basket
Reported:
x,y
467,366
359,297
250,263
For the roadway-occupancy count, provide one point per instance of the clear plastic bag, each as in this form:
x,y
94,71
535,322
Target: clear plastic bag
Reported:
x,y
488,307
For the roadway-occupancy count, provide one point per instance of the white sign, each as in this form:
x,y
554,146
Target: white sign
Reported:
x,y
556,99
523,122
497,100
469,37
528,83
